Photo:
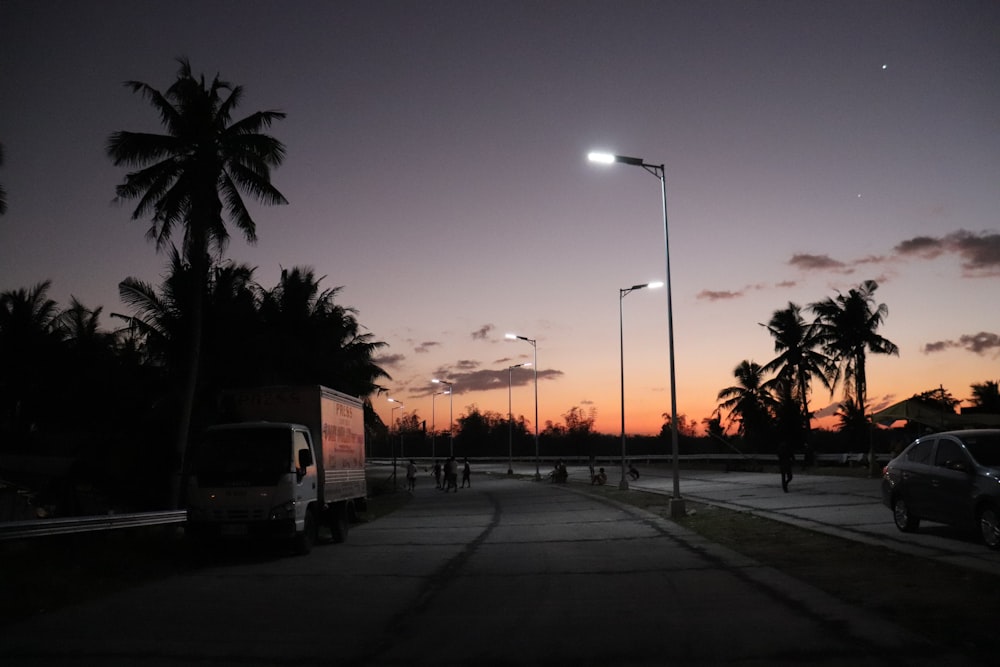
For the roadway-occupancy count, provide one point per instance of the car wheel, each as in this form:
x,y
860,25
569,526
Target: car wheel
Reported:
x,y
989,526
905,521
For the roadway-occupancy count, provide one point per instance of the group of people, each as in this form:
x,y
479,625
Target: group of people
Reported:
x,y
446,476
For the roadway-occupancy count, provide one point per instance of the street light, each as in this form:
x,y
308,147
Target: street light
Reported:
x,y
451,422
392,419
510,421
534,364
623,484
434,423
676,502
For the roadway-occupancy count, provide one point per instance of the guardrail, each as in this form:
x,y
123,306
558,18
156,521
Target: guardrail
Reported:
x,y
12,530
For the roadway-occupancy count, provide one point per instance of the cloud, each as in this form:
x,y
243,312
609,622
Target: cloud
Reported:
x,y
426,346
980,253
713,295
980,343
486,379
389,360
807,262
483,332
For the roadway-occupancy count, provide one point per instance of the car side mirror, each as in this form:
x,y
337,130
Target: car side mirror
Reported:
x,y
305,460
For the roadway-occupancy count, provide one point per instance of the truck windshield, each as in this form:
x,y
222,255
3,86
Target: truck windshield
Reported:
x,y
243,457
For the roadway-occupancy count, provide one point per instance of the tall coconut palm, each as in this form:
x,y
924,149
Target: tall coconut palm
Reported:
x,y
749,402
848,327
800,357
191,176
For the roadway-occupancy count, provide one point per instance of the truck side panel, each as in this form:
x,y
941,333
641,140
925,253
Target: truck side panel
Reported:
x,y
343,438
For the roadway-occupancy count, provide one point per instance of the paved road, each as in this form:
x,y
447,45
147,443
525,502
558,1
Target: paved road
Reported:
x,y
848,507
511,572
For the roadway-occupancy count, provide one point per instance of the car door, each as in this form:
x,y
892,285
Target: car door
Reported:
x,y
950,484
915,477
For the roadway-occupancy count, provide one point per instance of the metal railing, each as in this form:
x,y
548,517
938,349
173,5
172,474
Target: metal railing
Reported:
x,y
12,530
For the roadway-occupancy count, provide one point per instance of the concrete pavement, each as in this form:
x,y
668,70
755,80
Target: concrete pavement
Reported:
x,y
847,507
509,572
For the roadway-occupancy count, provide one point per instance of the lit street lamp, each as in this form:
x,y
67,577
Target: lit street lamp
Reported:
x,y
676,502
623,484
451,422
510,421
534,364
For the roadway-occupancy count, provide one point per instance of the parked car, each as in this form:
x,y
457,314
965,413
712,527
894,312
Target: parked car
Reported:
x,y
951,477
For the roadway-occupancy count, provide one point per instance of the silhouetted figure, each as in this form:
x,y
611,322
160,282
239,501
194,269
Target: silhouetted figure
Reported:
x,y
632,472
451,475
466,474
437,474
411,476
600,478
559,473
785,460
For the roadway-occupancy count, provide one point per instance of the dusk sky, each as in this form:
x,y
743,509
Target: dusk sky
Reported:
x,y
436,170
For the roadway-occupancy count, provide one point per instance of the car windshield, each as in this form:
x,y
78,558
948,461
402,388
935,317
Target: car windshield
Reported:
x,y
985,448
243,457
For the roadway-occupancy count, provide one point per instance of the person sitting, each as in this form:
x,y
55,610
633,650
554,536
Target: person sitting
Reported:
x,y
600,478
559,473
632,472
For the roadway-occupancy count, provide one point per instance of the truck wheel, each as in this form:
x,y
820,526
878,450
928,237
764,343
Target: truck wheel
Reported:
x,y
304,541
339,522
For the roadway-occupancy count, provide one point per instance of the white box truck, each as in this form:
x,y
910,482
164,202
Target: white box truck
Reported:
x,y
288,464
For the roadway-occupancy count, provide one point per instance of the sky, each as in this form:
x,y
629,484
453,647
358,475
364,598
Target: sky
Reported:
x,y
436,171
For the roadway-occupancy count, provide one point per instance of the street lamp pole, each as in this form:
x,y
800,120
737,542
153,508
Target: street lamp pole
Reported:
x,y
534,363
510,421
392,419
622,293
434,423
658,170
451,419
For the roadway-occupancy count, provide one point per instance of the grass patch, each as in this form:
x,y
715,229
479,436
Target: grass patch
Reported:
x,y
951,605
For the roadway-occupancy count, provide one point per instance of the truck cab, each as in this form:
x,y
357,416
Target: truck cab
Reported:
x,y
255,479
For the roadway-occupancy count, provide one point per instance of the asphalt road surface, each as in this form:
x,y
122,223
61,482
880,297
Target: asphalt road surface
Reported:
x,y
510,572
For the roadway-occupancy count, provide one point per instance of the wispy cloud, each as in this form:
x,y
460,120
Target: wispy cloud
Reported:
x,y
389,360
483,332
980,343
473,379
980,253
426,346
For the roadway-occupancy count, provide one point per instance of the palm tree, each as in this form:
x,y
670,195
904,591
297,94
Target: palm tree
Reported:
x,y
29,346
749,401
800,358
314,340
188,176
986,396
848,326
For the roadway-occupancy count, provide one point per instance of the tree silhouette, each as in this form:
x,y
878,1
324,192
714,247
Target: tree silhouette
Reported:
x,y
986,396
188,176
848,328
799,361
749,402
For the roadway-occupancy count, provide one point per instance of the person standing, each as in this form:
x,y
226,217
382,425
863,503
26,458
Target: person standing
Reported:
x,y
785,460
411,476
466,474
437,474
451,475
